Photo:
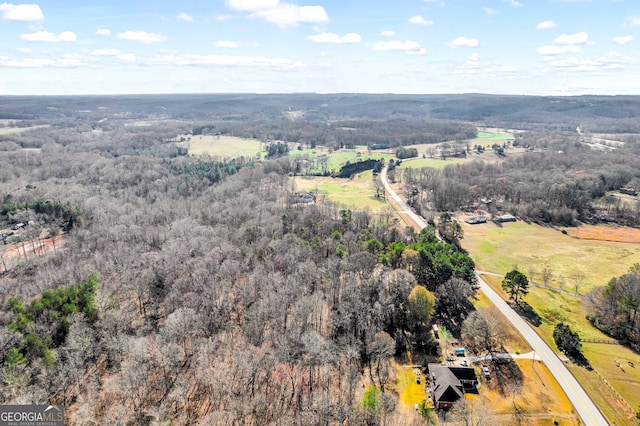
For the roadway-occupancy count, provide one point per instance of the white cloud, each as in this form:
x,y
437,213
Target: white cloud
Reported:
x,y
105,52
222,61
513,3
419,20
332,38
507,68
623,40
21,12
571,39
141,37
109,57
603,64
632,21
464,42
489,11
387,33
46,36
227,44
25,50
290,15
474,57
103,32
185,17
251,5
546,25
552,49
409,47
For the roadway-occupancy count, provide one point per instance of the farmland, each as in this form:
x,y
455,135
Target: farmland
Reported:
x,y
223,146
603,256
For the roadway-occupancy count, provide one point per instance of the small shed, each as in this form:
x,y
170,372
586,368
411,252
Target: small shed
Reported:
x,y
460,352
506,218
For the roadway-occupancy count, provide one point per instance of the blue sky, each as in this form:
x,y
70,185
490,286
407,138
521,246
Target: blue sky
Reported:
x,y
530,47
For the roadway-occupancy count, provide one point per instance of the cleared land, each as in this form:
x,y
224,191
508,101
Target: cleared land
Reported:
x,y
223,146
497,248
356,193
336,159
601,257
615,390
494,136
10,130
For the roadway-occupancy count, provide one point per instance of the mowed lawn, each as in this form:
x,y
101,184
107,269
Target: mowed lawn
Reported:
x,y
494,136
497,248
223,146
357,193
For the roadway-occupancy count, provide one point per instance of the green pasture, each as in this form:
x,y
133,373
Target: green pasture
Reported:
x,y
497,248
494,136
357,193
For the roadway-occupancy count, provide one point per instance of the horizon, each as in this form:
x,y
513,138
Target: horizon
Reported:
x,y
496,47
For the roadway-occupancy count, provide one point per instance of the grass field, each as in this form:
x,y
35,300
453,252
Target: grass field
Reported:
x,y
356,193
223,146
10,130
495,136
435,163
336,159
554,307
498,248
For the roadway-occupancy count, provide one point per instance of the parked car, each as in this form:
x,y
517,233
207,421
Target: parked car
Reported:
x,y
464,363
418,379
486,372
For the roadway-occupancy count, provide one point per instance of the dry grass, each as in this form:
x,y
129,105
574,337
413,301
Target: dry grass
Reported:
x,y
223,146
620,386
622,234
497,248
409,392
539,398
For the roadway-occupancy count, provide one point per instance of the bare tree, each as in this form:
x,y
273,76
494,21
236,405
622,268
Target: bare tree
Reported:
x,y
483,332
578,280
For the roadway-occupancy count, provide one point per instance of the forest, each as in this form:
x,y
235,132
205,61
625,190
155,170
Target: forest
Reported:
x,y
154,287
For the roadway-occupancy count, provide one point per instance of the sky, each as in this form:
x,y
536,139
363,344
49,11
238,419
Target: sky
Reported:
x,y
524,47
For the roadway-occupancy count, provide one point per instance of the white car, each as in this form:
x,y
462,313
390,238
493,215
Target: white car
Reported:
x,y
464,363
485,370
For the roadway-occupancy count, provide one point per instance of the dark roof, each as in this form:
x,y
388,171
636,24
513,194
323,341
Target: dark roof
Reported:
x,y
447,385
463,373
447,381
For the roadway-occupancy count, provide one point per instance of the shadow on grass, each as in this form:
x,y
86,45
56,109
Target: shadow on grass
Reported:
x,y
506,376
525,310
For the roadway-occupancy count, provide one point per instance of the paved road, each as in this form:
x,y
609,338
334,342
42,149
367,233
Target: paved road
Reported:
x,y
583,405
581,402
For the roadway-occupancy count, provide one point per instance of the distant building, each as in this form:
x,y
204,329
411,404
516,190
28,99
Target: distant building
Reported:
x,y
448,384
473,220
302,197
506,218
629,191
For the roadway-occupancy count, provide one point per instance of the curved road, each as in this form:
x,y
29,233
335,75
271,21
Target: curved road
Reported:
x,y
583,405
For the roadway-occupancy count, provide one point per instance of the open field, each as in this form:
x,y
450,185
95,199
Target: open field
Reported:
x,y
356,193
435,163
497,249
10,130
494,136
336,159
539,398
554,307
621,234
223,146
